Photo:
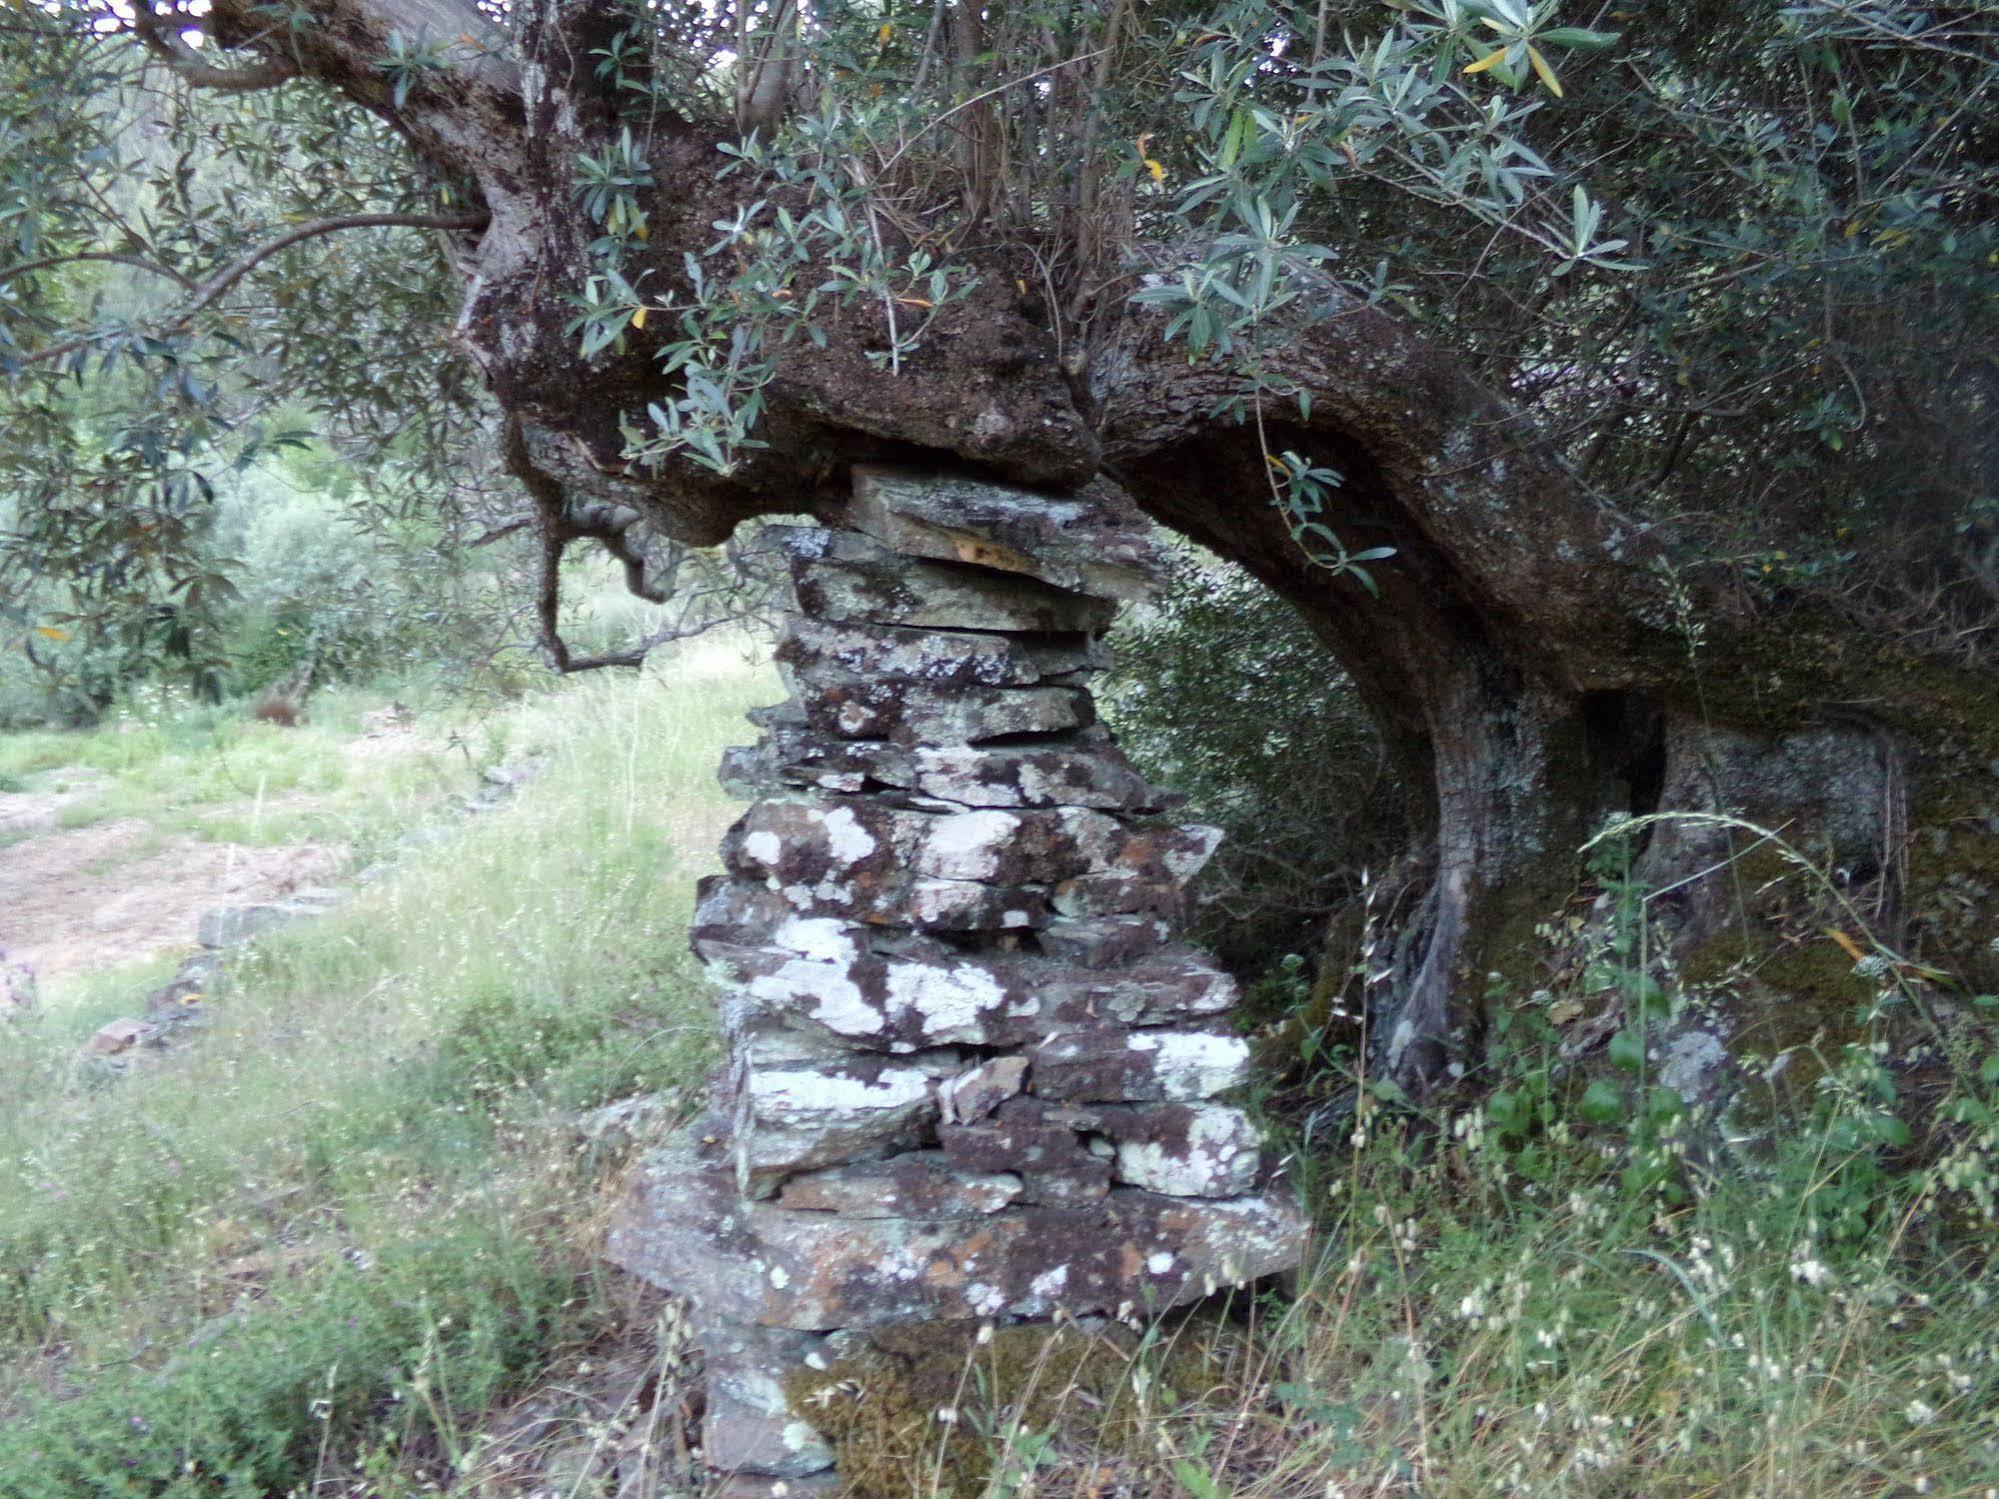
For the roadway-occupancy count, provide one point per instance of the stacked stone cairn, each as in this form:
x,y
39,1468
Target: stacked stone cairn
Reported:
x,y
971,1075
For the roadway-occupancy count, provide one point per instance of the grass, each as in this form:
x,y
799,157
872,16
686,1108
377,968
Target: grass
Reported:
x,y
216,774
364,1177
342,1243
1512,1314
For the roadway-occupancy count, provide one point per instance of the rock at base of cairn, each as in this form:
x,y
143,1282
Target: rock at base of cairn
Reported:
x,y
972,1076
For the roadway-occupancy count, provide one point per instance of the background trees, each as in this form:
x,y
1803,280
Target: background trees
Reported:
x,y
1611,393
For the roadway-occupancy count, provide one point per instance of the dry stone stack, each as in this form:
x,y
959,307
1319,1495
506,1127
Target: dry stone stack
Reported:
x,y
971,1072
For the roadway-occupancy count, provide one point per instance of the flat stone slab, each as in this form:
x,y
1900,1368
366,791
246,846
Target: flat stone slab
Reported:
x,y
919,1184
232,926
1084,769
987,869
837,575
1138,1066
1086,543
822,651
825,975
794,1116
910,713
685,1228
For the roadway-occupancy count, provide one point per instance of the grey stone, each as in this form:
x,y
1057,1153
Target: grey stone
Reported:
x,y
821,972
839,576
819,651
232,926
197,975
1091,543
684,1227
748,1426
1082,770
918,1184
1103,941
795,1117
1084,774
857,861
763,1486
909,713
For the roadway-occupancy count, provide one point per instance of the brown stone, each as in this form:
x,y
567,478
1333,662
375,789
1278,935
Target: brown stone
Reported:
x,y
839,576
119,1035
1117,1065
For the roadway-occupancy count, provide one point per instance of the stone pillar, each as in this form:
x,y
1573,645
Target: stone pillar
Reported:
x,y
971,1075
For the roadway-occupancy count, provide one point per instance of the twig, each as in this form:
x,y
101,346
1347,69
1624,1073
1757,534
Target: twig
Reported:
x,y
217,285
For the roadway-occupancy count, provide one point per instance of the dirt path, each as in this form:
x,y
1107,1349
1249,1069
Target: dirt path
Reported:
x,y
118,892
77,900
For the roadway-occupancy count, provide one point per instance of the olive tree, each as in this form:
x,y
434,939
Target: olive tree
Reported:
x,y
1610,391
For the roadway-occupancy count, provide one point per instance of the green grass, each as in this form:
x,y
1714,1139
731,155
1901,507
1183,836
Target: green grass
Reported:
x,y
363,1164
1488,1315
326,1246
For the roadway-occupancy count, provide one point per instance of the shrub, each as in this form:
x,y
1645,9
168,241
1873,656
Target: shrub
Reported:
x,y
1222,693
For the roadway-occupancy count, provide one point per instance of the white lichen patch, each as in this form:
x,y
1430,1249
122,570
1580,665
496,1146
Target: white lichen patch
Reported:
x,y
950,1004
846,840
967,846
1194,1064
1218,1159
799,1093
1051,1282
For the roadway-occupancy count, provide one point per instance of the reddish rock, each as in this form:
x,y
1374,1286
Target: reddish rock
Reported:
x,y
1137,1066
119,1035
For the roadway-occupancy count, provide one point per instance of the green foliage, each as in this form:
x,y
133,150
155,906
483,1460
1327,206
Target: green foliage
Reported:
x,y
1223,694
781,268
132,404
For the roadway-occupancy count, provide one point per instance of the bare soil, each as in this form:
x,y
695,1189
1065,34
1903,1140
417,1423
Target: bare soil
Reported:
x,y
81,899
